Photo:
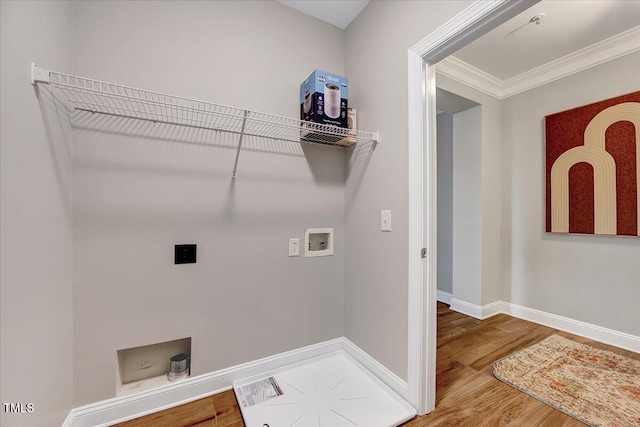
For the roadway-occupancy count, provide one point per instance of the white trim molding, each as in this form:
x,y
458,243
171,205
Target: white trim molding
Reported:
x,y
606,50
467,308
444,297
576,327
477,19
416,332
68,422
119,409
112,411
471,76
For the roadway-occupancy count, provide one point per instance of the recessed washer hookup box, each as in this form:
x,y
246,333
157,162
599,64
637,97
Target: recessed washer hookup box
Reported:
x,y
324,99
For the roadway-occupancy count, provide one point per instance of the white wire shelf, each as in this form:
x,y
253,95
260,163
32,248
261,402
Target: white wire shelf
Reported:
x,y
95,96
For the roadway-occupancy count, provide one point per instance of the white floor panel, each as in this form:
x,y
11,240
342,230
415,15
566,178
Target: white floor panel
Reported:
x,y
329,391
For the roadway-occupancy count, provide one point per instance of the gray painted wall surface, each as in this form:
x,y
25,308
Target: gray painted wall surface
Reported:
x,y
587,278
140,189
136,195
490,181
376,268
36,250
467,203
445,202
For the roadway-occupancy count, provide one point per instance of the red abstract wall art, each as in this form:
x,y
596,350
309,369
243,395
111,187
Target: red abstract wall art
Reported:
x,y
593,168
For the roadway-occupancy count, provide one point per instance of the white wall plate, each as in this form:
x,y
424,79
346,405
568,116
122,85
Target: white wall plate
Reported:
x,y
318,242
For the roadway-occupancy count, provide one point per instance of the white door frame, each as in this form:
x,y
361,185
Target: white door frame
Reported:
x,y
471,23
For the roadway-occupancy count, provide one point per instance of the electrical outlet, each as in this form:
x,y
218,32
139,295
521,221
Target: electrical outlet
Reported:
x,y
294,247
385,220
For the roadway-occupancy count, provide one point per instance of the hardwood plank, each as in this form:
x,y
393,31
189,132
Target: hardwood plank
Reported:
x,y
467,393
455,384
502,345
207,423
179,416
228,412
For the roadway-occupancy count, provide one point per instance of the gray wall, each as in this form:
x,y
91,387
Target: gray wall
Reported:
x,y
140,189
376,268
490,221
445,201
593,279
467,236
588,278
458,156
36,250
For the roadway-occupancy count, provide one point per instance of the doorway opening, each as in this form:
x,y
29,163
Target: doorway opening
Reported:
x,y
459,145
473,22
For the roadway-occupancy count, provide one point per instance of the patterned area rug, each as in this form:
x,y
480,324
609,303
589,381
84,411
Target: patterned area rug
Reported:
x,y
595,386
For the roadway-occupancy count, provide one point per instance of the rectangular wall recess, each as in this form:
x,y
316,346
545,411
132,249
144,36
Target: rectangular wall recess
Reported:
x,y
146,367
318,242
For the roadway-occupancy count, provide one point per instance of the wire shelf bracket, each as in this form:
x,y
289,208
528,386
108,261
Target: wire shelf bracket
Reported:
x,y
83,94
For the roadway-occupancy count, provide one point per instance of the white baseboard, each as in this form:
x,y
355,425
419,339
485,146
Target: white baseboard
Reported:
x,y
576,327
108,412
125,408
444,297
492,309
68,422
119,409
467,308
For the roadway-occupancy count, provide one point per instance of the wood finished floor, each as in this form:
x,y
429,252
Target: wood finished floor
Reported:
x,y
467,394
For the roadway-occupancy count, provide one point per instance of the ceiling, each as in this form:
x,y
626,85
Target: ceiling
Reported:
x,y
336,12
518,45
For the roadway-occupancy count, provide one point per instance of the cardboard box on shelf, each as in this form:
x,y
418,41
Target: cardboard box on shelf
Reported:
x,y
324,100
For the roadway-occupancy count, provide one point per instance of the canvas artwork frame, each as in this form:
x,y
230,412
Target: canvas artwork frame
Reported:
x,y
592,168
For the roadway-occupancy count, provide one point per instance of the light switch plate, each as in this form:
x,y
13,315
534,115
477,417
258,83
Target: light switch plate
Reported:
x,y
385,220
294,247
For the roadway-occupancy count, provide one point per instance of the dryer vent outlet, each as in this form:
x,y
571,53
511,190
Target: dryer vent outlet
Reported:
x,y
185,254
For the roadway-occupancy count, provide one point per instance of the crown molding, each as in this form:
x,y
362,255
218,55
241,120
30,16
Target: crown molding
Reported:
x,y
614,47
466,73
